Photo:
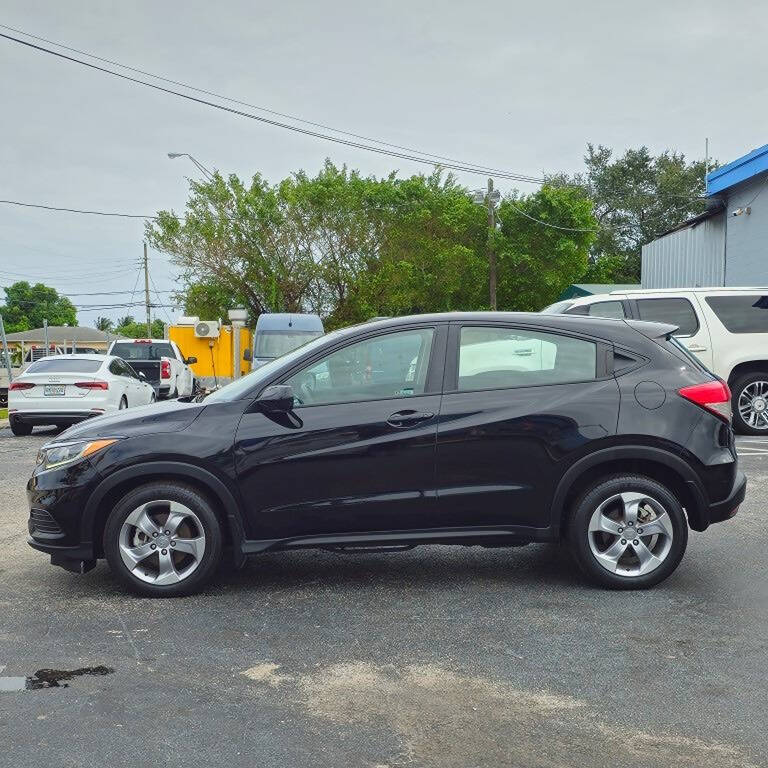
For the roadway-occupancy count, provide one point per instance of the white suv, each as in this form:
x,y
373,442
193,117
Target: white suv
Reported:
x,y
726,328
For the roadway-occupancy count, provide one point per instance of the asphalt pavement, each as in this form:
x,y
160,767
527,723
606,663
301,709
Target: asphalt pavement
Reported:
x,y
440,656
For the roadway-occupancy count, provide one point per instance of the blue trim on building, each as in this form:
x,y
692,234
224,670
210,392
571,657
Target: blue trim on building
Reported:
x,y
737,171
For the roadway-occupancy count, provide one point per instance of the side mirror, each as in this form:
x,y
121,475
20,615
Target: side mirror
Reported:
x,y
142,375
247,355
191,360
276,399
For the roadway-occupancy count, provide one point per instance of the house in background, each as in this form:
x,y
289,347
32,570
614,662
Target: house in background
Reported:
x,y
65,338
727,245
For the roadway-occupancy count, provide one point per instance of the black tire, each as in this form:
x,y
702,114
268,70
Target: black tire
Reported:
x,y
739,385
578,536
19,428
172,491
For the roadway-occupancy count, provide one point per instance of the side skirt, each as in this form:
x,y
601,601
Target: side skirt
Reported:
x,y
492,537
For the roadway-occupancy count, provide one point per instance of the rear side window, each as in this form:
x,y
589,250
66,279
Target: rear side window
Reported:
x,y
675,311
498,358
613,309
54,365
741,314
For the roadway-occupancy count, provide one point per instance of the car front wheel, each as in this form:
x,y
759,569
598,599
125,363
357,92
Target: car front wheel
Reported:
x,y
163,540
627,532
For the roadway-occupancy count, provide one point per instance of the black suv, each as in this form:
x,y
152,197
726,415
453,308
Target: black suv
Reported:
x,y
494,429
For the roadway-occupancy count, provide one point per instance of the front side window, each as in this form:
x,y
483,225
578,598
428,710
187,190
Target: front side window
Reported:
x,y
384,367
675,311
741,314
497,358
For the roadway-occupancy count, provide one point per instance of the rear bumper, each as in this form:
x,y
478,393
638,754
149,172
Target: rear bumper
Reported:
x,y
40,418
727,508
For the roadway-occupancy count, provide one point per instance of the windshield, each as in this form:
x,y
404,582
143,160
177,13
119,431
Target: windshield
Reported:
x,y
65,365
277,343
153,351
557,308
243,387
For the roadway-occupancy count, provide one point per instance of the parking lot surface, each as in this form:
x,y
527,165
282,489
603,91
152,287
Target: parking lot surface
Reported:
x,y
441,656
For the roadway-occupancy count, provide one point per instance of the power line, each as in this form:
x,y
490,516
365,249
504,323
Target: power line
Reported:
x,y
485,169
77,210
276,123
157,293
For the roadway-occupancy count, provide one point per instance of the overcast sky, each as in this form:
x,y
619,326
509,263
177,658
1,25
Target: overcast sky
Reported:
x,y
513,85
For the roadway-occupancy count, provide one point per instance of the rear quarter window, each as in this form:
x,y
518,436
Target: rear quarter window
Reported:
x,y
673,310
741,314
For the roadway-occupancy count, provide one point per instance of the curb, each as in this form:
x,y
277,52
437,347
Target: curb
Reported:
x,y
4,423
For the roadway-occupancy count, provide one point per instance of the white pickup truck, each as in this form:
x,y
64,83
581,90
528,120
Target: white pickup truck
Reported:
x,y
161,361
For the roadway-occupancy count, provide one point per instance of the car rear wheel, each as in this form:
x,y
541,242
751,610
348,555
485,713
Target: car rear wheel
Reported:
x,y
750,404
19,428
627,532
163,540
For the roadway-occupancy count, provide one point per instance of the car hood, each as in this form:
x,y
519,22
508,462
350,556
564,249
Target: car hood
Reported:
x,y
172,416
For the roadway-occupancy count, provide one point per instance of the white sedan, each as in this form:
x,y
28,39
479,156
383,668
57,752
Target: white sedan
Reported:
x,y
65,389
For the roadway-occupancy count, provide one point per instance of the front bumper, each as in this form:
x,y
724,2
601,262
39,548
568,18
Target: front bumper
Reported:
x,y
727,508
57,499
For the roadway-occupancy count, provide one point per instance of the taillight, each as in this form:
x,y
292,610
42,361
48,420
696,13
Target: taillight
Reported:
x,y
165,369
712,395
92,384
21,385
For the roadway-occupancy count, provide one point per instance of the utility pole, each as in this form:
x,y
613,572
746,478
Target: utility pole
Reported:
x,y
489,199
491,251
146,292
6,351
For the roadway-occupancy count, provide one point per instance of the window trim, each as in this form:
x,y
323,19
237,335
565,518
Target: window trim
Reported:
x,y
603,366
432,381
637,301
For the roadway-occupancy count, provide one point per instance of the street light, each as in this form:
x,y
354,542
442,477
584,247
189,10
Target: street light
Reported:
x,y
489,198
197,163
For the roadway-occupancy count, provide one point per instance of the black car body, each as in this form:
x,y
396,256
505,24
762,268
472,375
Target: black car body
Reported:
x,y
443,450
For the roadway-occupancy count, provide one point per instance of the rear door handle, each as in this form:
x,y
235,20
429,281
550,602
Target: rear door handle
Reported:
x,y
409,418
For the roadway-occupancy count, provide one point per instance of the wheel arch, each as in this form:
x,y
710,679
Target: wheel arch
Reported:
x,y
655,463
749,366
114,487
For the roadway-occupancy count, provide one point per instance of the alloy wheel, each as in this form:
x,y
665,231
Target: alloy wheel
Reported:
x,y
630,534
753,405
162,542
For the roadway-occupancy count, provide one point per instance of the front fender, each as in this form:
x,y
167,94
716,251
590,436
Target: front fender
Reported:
x,y
168,470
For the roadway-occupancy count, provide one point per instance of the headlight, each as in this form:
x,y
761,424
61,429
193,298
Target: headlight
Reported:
x,y
56,455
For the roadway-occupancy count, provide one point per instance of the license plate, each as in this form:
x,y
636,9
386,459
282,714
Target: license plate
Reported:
x,y
54,390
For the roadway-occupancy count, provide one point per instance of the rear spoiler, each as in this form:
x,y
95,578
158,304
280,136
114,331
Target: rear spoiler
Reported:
x,y
652,330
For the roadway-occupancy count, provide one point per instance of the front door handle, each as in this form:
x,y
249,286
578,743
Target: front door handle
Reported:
x,y
408,418
696,348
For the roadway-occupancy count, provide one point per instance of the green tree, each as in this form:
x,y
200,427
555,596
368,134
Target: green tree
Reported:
x,y
132,329
27,306
542,245
208,300
637,197
103,324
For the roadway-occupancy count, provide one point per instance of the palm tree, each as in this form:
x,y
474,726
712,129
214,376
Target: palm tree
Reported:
x,y
127,320
104,324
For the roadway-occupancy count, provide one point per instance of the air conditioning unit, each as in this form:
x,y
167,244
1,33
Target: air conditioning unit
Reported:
x,y
207,329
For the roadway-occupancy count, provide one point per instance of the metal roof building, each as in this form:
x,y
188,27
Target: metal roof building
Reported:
x,y
725,246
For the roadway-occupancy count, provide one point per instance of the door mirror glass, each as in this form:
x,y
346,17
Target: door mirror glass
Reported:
x,y
276,399
247,355
191,360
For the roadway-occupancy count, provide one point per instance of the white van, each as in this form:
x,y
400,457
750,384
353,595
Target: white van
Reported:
x,y
278,333
726,328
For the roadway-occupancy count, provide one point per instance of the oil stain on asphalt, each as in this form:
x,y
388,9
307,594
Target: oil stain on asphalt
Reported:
x,y
49,678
